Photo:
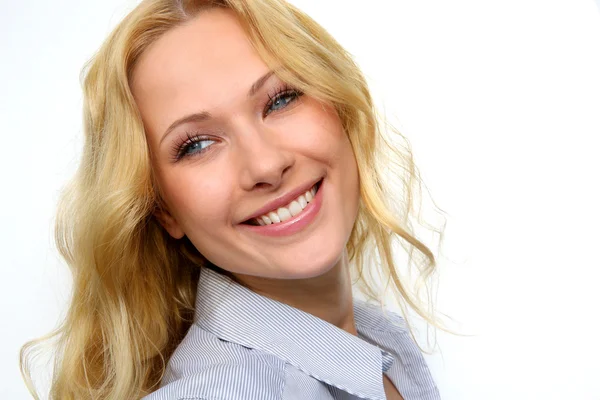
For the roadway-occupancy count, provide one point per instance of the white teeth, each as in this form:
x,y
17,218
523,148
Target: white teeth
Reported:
x,y
302,201
284,214
295,208
274,217
291,210
308,195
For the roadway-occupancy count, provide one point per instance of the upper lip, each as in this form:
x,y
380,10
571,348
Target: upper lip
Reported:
x,y
283,200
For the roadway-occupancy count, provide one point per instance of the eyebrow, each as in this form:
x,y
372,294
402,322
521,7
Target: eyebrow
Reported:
x,y
205,115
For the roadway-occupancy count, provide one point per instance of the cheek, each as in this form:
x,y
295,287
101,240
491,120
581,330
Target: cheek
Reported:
x,y
350,175
197,198
319,132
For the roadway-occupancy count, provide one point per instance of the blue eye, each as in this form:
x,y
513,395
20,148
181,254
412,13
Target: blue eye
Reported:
x,y
197,146
194,144
191,146
281,99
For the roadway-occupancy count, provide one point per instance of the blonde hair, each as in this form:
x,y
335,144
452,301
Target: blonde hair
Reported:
x,y
134,286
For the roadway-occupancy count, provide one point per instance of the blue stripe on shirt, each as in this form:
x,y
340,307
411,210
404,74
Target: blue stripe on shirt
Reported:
x,y
244,346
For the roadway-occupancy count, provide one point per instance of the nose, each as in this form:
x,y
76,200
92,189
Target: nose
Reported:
x,y
263,157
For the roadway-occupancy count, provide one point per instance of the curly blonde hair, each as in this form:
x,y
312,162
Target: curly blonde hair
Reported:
x,y
134,286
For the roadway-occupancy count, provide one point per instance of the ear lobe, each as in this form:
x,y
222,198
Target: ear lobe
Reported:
x,y
169,223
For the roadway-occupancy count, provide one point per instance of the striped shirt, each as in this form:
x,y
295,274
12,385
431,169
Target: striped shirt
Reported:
x,y
244,346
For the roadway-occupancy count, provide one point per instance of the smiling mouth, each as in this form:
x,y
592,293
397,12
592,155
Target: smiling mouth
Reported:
x,y
287,212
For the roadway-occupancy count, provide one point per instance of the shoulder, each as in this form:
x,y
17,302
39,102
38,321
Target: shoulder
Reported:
x,y
204,367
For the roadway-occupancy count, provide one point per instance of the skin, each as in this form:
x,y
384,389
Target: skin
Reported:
x,y
208,64
249,159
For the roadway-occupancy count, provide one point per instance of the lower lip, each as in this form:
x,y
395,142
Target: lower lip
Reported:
x,y
294,224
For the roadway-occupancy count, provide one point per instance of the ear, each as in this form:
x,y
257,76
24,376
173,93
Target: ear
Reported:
x,y
169,223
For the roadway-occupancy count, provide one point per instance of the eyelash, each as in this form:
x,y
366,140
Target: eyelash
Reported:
x,y
180,148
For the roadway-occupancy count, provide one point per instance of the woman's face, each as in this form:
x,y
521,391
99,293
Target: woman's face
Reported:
x,y
230,142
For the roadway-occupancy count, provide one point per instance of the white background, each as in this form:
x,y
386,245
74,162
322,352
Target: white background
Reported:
x,y
501,102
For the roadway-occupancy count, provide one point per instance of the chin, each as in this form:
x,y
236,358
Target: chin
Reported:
x,y
309,267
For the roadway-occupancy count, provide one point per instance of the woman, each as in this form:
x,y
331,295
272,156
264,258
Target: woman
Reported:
x,y
230,184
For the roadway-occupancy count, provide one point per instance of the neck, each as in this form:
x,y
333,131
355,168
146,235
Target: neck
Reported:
x,y
327,296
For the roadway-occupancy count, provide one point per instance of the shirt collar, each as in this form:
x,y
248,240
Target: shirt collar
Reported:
x,y
236,314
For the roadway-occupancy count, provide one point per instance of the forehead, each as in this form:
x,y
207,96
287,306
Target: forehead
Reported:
x,y
198,65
